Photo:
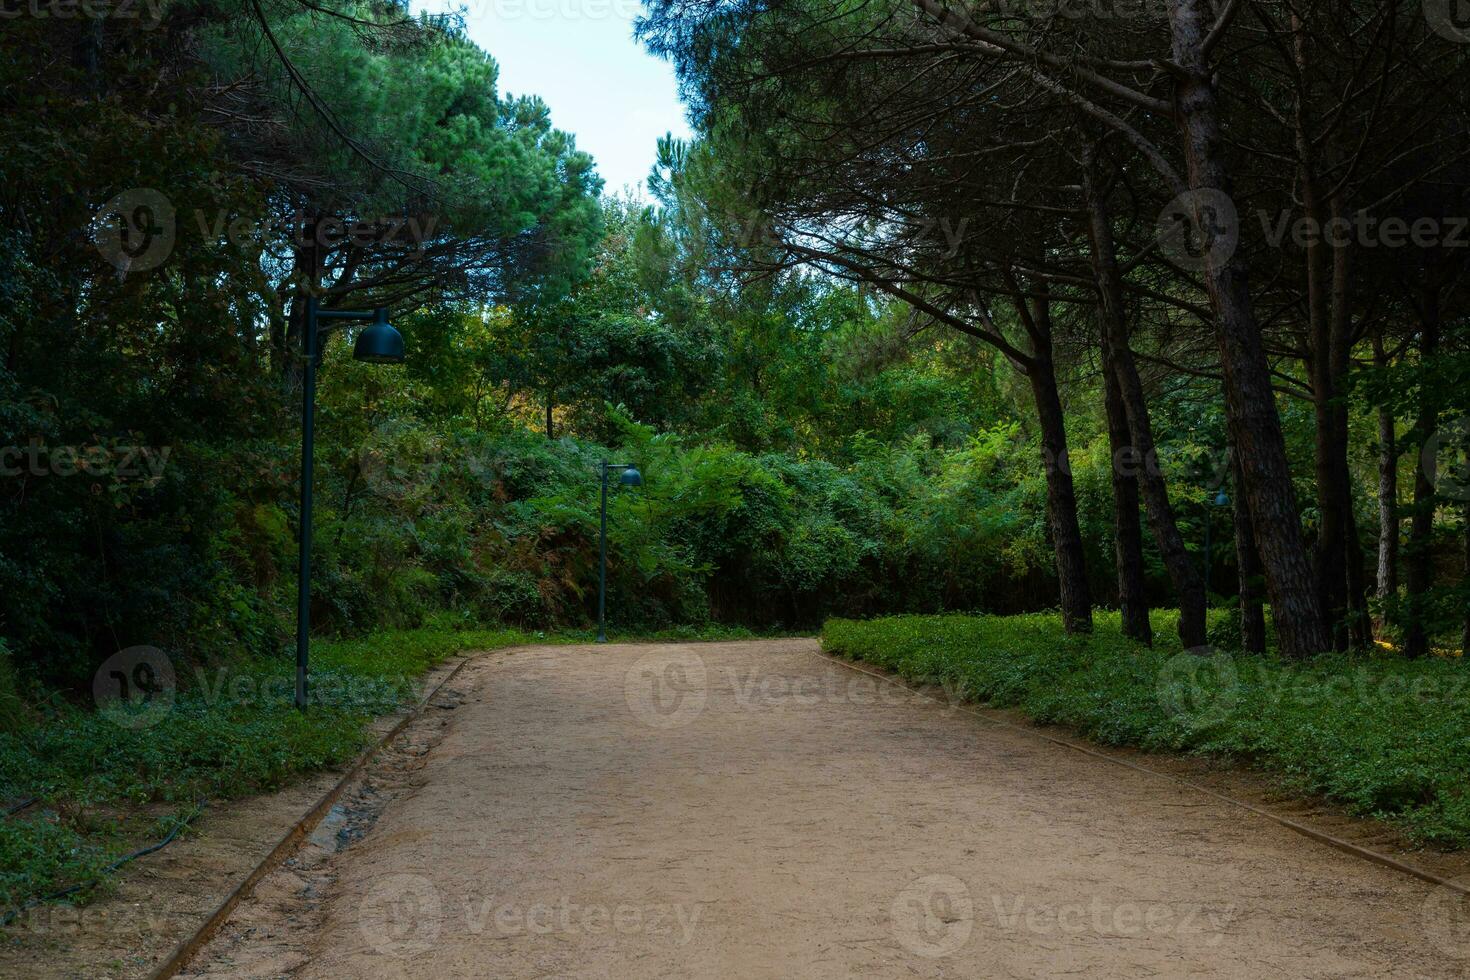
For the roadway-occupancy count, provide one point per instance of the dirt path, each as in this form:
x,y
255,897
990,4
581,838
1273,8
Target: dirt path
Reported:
x,y
753,810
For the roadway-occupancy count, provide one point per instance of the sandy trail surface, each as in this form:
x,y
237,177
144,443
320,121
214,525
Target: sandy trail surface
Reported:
x,y
755,810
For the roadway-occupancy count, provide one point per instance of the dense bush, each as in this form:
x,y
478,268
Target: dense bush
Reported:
x,y
1385,736
505,525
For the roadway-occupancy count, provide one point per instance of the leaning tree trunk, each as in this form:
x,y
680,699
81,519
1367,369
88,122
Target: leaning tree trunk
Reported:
x,y
1388,511
1127,529
1465,580
1419,564
1388,491
1359,625
1118,355
1061,497
1250,400
1248,567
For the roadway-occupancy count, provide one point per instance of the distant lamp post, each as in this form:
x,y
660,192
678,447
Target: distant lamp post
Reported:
x,y
1221,499
629,477
377,344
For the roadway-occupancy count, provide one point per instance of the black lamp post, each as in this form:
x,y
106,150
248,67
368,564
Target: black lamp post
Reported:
x,y
378,344
630,477
1220,500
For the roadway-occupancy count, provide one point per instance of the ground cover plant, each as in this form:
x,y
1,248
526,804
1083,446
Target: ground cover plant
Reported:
x,y
1385,736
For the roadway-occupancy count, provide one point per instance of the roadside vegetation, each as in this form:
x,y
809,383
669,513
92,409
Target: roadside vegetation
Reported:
x,y
86,787
1384,736
929,316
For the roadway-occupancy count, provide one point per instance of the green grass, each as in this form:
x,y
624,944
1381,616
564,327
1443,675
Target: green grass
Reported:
x,y
1384,736
103,789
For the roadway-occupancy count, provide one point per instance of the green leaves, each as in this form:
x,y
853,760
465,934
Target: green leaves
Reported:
x,y
1384,736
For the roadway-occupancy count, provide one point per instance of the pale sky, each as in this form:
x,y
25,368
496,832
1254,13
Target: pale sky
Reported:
x,y
580,57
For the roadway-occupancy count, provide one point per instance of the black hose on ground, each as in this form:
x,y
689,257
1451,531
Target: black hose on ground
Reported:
x,y
183,822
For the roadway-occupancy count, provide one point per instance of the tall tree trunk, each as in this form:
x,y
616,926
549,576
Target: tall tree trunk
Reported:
x,y
1331,551
1250,401
1118,356
1248,567
1359,625
1061,497
1465,580
1419,550
1388,491
1127,529
1327,323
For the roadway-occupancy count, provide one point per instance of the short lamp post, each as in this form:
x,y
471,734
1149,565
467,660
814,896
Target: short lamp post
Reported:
x,y
378,344
1221,499
628,477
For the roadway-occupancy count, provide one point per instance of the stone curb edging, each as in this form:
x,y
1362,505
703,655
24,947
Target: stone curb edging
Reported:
x,y
298,833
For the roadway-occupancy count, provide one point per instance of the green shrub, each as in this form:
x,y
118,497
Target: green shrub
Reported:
x,y
231,731
1384,736
12,706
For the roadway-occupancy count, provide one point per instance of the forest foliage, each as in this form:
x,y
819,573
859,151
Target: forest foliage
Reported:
x,y
1066,314
861,375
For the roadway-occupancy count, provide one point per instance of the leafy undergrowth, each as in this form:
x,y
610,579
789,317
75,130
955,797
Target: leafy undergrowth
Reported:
x,y
99,789
91,786
1386,737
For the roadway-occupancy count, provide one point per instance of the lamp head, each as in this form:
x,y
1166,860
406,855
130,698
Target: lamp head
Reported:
x,y
379,343
631,478
1221,499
